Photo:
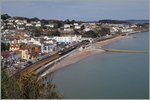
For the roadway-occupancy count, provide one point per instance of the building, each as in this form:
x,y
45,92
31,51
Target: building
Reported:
x,y
31,41
113,30
30,51
77,27
67,28
38,24
68,39
14,47
87,29
29,25
48,46
15,56
50,25
25,54
20,27
126,30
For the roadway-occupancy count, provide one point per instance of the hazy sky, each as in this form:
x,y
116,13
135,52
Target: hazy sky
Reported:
x,y
88,10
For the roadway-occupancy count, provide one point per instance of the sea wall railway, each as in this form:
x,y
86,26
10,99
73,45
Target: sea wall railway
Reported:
x,y
44,68
33,67
36,67
42,65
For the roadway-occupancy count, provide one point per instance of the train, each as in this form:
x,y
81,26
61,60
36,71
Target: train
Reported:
x,y
66,50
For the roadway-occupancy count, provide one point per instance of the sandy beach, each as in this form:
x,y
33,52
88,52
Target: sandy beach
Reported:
x,y
78,54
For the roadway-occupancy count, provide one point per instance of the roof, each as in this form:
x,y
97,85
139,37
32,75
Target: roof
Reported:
x,y
5,54
29,46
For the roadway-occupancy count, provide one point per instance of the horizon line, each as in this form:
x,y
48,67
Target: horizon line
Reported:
x,y
74,19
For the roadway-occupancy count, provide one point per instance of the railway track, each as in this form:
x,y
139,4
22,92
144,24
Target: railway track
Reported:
x,y
31,69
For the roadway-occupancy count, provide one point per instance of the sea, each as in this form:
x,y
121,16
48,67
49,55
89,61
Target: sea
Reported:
x,y
109,75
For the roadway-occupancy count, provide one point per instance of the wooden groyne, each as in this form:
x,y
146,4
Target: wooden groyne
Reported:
x,y
124,51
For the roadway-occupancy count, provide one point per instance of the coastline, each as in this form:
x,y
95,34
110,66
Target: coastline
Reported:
x,y
78,55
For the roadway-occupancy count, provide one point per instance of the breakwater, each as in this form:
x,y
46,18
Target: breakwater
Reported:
x,y
124,51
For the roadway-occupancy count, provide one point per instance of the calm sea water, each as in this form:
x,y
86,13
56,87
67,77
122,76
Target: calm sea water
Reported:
x,y
109,75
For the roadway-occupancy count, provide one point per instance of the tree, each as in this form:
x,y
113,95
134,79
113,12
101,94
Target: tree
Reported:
x,y
67,21
77,32
5,16
58,23
37,32
113,21
43,23
4,46
72,22
4,84
56,33
27,87
119,32
34,19
82,27
91,34
104,31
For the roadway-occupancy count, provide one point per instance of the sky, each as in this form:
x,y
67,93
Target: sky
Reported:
x,y
83,10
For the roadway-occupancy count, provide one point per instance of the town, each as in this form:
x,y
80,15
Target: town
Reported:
x,y
25,41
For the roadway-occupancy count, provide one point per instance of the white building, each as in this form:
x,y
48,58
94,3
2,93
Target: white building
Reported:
x,y
66,26
77,27
29,24
86,38
87,29
46,37
50,25
20,22
68,39
49,46
68,29
133,26
75,24
20,27
10,20
113,30
24,54
31,40
10,23
127,30
14,41
38,24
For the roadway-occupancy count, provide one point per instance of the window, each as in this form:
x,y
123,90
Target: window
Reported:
x,y
45,48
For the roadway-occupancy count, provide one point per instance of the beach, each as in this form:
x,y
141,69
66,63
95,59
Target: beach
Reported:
x,y
80,54
109,74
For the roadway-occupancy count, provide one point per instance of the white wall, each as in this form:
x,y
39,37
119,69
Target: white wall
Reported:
x,y
68,39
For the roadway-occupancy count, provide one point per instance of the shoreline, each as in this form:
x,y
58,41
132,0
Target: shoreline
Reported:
x,y
78,55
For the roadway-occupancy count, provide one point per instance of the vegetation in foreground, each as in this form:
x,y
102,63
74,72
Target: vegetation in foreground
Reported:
x,y
27,87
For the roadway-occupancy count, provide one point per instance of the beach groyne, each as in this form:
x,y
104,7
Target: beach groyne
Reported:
x,y
124,51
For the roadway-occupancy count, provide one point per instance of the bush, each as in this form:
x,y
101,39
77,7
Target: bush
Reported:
x,y
27,87
91,34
